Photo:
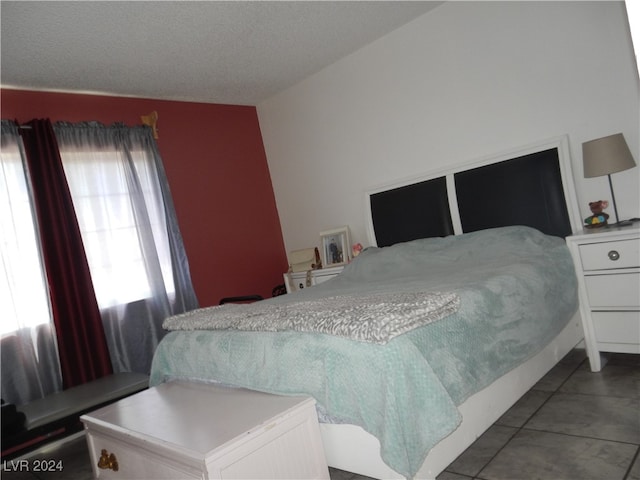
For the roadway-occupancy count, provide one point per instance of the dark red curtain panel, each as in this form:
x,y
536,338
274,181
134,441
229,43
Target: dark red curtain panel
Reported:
x,y
84,355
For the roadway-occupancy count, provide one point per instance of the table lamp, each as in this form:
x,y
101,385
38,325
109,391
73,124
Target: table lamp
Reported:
x,y
604,156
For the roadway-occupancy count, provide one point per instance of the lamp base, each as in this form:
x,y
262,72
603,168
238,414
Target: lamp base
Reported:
x,y
625,223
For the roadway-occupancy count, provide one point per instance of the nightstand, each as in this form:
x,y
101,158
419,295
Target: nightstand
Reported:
x,y
607,263
299,280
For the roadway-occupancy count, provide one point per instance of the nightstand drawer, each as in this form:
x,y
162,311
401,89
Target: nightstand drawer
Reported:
x,y
617,327
610,255
619,290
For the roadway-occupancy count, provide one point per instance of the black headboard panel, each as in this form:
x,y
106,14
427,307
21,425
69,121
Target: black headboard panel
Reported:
x,y
531,186
521,191
410,212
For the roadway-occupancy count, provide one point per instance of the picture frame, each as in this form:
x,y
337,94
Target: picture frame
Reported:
x,y
335,246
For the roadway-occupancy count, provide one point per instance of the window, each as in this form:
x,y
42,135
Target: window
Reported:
x,y
114,228
133,248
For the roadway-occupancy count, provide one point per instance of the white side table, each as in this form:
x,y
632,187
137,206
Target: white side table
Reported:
x,y
195,430
299,280
607,262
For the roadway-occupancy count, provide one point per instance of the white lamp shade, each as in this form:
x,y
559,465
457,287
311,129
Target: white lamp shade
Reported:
x,y
606,155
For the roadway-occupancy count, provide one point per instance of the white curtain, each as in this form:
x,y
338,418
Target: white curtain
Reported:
x,y
130,233
30,366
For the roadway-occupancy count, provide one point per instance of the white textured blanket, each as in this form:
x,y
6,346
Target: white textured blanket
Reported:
x,y
374,318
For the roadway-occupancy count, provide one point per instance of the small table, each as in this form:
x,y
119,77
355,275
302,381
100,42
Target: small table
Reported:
x,y
299,280
195,430
607,263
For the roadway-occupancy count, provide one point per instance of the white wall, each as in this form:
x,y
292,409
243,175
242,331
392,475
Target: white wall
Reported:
x,y
464,81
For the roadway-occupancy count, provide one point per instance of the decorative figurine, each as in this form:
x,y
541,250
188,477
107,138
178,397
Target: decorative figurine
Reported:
x,y
599,218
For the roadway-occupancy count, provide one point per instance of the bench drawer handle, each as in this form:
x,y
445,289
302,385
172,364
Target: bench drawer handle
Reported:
x,y
613,255
108,461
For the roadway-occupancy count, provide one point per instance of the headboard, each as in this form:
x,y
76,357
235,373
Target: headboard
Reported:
x,y
530,186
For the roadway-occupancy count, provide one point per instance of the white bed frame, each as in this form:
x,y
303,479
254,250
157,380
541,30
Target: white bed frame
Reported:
x,y
351,448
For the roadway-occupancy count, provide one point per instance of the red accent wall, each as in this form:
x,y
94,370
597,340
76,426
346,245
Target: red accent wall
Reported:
x,y
218,174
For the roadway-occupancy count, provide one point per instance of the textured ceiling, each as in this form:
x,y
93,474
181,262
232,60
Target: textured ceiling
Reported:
x,y
233,52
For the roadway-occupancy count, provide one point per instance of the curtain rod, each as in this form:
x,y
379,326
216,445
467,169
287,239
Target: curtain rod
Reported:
x,y
150,120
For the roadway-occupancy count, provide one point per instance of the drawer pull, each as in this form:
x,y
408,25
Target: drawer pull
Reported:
x,y
613,255
108,461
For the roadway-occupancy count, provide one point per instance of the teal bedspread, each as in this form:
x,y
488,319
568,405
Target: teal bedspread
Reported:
x,y
517,291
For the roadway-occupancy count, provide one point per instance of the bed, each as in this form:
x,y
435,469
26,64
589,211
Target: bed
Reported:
x,y
427,337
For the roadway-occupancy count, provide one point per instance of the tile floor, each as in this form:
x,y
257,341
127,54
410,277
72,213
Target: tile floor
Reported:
x,y
574,424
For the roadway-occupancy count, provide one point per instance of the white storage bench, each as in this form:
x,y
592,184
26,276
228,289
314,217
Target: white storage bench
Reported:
x,y
195,430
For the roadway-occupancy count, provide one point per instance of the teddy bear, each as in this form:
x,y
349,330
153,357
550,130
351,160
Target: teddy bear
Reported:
x,y
599,218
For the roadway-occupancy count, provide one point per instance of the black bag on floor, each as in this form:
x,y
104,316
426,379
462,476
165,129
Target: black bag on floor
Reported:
x,y
13,421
